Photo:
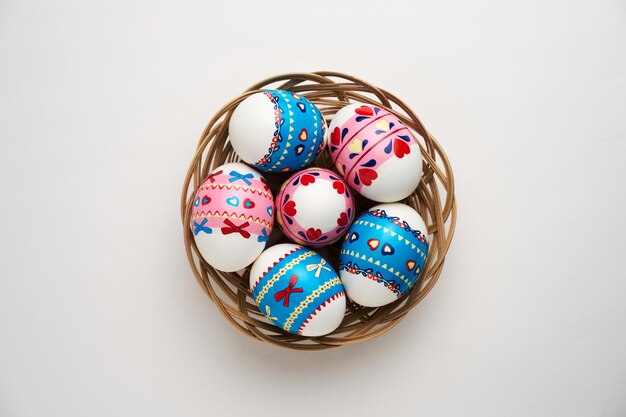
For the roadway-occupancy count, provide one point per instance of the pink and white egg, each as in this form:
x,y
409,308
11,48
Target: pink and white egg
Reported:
x,y
375,152
315,207
232,217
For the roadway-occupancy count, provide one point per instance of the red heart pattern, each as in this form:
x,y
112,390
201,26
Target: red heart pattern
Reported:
x,y
339,186
373,244
410,265
401,148
307,179
206,200
290,208
343,219
367,176
364,111
313,234
247,203
335,136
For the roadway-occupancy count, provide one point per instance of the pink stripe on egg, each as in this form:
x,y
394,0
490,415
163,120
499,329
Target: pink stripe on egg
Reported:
x,y
232,205
380,156
352,124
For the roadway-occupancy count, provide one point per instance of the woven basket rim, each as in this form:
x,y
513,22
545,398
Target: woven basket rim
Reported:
x,y
434,199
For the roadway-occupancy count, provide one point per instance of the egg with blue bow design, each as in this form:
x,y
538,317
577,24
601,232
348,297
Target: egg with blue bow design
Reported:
x,y
298,290
383,254
277,131
232,217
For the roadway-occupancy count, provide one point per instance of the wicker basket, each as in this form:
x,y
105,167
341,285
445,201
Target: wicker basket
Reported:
x,y
434,200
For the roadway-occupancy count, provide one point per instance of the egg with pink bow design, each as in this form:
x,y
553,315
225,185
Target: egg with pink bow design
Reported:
x,y
375,152
232,217
315,207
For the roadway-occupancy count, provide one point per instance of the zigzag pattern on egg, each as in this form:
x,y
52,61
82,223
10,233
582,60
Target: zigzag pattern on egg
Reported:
x,y
315,294
281,272
233,215
318,309
273,265
377,262
394,234
236,187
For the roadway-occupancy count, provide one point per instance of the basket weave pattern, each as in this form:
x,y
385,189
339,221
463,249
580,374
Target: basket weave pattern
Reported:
x,y
433,199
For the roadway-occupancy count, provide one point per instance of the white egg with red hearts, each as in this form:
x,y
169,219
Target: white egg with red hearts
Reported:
x,y
314,207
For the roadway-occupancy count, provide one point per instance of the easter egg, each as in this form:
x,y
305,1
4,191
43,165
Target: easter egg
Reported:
x,y
383,254
314,207
375,152
232,217
277,131
298,290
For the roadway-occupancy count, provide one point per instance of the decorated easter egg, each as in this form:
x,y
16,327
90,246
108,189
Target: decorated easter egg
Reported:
x,y
314,207
383,254
375,152
298,290
232,217
277,131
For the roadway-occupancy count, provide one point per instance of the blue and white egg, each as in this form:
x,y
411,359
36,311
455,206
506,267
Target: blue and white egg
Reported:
x,y
383,254
298,290
277,131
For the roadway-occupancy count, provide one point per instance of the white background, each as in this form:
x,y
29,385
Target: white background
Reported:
x,y
101,105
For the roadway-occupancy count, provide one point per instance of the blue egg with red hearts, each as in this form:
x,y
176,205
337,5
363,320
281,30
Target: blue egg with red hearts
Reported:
x,y
383,254
277,131
298,290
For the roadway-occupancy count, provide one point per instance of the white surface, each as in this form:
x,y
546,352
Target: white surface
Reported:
x,y
101,104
